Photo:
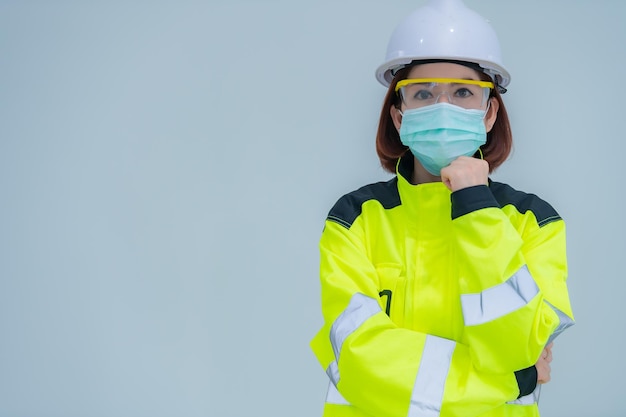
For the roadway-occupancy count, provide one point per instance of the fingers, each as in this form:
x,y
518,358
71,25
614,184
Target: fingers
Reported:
x,y
543,365
465,172
547,353
543,370
543,373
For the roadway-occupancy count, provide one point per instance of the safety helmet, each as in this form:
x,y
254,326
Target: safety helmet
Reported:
x,y
444,30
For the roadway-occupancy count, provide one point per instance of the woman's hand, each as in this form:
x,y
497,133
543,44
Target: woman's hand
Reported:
x,y
465,172
543,365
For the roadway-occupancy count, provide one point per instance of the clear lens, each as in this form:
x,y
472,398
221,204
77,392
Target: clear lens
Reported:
x,y
420,94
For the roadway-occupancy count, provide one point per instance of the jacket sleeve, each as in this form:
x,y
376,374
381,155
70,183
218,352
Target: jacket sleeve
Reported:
x,y
512,279
381,368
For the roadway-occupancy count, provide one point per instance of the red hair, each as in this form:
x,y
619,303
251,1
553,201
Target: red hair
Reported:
x,y
389,147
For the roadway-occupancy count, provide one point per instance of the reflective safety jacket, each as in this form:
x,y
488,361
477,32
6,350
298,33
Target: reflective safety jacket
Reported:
x,y
432,300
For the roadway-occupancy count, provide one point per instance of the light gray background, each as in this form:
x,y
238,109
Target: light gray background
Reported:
x,y
166,167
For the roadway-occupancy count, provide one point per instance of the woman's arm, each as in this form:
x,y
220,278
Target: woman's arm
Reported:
x,y
512,278
384,369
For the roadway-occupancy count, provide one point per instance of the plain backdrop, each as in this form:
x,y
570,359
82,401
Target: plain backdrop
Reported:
x,y
166,168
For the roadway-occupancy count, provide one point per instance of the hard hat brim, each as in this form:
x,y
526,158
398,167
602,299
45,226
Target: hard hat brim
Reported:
x,y
386,72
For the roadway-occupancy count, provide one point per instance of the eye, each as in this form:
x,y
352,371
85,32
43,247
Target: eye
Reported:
x,y
422,95
463,92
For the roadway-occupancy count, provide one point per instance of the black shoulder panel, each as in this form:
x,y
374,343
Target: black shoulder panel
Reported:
x,y
523,202
349,207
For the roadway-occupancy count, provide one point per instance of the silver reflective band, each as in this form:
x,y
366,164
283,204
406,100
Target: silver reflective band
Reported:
x,y
529,399
361,308
334,397
500,300
564,322
333,372
431,377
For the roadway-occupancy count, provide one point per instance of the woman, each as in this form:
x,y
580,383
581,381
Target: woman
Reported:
x,y
441,290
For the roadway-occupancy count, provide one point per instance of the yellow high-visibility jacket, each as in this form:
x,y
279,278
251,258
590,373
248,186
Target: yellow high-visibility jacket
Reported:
x,y
439,303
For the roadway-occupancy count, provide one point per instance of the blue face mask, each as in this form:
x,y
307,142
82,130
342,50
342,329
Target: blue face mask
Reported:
x,y
440,133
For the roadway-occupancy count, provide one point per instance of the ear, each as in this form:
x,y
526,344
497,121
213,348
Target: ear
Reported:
x,y
492,114
396,117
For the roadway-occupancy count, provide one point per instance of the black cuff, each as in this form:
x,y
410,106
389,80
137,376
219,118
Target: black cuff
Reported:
x,y
471,199
526,380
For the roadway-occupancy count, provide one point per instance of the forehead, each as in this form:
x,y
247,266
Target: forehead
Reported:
x,y
443,70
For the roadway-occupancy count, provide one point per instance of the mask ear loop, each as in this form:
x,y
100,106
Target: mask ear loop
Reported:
x,y
480,151
487,108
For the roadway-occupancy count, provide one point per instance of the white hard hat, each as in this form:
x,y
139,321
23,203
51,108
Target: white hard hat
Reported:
x,y
446,30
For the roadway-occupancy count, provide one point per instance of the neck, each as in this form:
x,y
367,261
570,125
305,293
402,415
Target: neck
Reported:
x,y
420,175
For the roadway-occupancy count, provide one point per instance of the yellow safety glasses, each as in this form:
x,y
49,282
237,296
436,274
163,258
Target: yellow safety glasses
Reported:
x,y
420,92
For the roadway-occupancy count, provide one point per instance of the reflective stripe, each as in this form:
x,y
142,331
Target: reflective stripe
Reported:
x,y
431,377
500,300
565,321
529,399
334,397
333,372
361,308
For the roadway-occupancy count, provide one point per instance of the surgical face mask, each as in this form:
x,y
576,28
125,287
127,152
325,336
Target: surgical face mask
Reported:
x,y
440,133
